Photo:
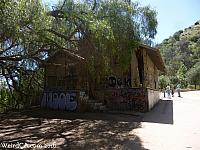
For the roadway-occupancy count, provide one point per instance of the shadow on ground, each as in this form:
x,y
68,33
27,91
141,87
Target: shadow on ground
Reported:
x,y
161,113
71,130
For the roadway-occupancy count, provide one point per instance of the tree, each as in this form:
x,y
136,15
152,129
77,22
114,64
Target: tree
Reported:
x,y
181,75
163,81
193,75
22,44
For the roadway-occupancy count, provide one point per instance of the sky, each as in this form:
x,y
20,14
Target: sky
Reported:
x,y
172,15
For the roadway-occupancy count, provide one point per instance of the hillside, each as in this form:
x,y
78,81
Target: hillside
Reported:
x,y
181,52
192,32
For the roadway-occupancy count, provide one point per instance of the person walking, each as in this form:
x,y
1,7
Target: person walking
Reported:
x,y
164,92
172,90
178,88
168,91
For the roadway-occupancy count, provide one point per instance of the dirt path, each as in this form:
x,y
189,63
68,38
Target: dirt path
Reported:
x,y
69,130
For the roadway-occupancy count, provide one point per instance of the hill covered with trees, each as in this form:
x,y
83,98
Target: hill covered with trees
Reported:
x,y
181,53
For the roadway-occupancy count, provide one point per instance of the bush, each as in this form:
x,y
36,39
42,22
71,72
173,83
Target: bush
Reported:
x,y
194,39
191,86
196,23
6,100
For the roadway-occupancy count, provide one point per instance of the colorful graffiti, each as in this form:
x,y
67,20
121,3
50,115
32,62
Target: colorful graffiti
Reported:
x,y
59,100
128,99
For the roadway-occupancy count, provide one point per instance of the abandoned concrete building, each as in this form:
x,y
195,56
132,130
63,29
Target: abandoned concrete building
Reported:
x,y
135,90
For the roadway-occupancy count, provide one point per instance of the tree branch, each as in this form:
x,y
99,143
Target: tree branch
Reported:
x,y
67,38
11,46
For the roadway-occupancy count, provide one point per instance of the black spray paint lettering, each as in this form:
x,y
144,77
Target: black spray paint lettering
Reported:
x,y
117,81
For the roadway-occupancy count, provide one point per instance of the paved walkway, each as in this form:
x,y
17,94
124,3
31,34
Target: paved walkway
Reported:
x,y
174,124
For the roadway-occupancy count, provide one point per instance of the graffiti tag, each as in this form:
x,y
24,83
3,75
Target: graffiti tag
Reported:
x,y
59,101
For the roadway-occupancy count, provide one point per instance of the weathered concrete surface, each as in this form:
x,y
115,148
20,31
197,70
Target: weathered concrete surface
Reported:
x,y
173,124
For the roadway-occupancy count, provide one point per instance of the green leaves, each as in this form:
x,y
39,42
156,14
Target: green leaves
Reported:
x,y
19,20
193,75
163,81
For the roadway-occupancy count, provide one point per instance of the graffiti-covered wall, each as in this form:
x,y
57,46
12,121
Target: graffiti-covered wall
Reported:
x,y
60,100
133,99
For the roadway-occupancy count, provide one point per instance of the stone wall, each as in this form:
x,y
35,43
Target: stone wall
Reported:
x,y
127,99
153,98
131,99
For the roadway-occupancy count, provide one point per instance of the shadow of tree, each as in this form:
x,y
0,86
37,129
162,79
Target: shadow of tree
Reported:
x,y
71,130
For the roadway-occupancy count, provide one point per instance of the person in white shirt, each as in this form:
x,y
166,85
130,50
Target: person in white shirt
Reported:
x,y
168,91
